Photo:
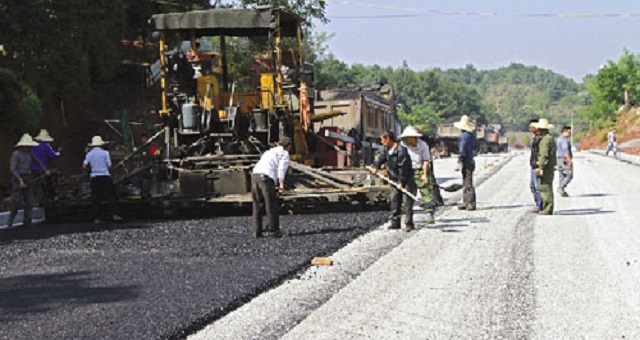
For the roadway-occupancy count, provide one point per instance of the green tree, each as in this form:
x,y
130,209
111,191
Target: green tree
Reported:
x,y
20,107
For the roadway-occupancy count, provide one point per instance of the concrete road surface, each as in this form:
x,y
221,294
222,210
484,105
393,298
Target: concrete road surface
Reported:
x,y
500,272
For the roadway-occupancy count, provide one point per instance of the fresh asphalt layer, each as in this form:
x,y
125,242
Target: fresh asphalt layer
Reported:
x,y
160,279
153,280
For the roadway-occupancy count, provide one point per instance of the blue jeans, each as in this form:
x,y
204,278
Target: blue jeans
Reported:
x,y
534,185
611,147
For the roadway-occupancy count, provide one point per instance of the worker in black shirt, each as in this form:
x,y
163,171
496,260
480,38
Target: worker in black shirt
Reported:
x,y
398,163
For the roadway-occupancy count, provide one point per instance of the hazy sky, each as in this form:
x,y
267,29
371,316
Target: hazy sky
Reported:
x,y
571,37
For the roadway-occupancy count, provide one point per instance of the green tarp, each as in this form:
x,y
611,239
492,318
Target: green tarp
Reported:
x,y
231,22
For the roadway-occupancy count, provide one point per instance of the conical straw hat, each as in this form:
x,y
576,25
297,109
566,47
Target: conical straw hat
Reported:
x,y
410,131
43,136
97,141
26,140
464,124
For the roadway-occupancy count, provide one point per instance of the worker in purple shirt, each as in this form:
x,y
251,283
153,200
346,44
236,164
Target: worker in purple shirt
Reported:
x,y
42,152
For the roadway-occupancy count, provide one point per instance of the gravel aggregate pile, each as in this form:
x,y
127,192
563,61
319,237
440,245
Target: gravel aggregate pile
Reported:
x,y
152,280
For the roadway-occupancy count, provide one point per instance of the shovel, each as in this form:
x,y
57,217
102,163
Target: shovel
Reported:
x,y
406,192
34,180
452,188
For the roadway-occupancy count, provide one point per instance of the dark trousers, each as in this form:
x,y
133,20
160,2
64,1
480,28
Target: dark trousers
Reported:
x,y
42,189
546,190
20,195
395,214
469,192
437,196
265,200
103,197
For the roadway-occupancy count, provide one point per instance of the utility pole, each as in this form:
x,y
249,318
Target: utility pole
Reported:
x,y
571,140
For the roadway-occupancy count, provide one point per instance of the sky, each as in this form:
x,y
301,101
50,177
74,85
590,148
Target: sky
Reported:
x,y
570,37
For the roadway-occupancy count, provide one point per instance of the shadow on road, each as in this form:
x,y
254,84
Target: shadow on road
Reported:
x,y
500,207
593,195
25,295
446,228
470,220
586,211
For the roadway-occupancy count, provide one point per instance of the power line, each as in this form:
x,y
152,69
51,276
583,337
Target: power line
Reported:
x,y
420,12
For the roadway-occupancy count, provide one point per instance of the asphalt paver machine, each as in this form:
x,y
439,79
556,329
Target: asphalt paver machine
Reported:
x,y
220,116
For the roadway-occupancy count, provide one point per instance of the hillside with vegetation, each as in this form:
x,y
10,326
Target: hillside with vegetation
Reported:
x,y
510,96
516,93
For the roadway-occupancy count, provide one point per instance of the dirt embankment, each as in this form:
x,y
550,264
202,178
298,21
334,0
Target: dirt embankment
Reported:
x,y
628,129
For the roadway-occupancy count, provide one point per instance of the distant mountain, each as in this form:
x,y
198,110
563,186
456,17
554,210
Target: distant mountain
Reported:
x,y
514,94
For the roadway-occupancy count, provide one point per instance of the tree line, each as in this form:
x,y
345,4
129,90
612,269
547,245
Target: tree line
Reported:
x,y
53,50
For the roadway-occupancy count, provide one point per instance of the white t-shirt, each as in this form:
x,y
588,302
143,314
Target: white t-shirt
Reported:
x,y
273,163
419,154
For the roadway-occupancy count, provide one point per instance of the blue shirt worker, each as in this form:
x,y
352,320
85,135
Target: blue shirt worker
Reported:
x,y
20,168
271,168
103,191
467,146
565,161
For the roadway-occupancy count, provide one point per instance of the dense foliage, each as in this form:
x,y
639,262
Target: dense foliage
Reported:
x,y
62,49
510,96
66,49
616,84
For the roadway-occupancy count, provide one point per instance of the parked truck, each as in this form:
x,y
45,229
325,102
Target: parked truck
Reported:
x,y
491,137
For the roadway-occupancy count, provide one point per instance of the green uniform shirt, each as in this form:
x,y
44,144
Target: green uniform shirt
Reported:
x,y
547,153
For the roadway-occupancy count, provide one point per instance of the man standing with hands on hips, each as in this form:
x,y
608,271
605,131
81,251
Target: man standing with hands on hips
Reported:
x,y
271,167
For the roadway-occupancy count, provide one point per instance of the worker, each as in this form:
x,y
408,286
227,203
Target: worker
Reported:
x,y
434,143
467,146
103,191
398,163
420,158
534,182
565,161
268,173
43,152
22,187
546,164
613,141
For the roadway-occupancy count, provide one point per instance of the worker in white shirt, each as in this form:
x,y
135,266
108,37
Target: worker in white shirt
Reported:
x,y
271,168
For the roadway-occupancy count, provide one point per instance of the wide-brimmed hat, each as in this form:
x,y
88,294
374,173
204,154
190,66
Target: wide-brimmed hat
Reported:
x,y
43,136
26,140
464,124
410,131
97,141
543,124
